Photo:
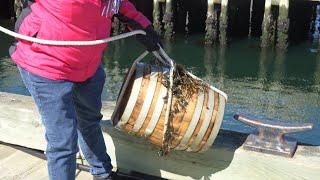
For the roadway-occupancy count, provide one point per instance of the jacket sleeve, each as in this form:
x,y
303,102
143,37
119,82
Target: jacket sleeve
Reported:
x,y
131,16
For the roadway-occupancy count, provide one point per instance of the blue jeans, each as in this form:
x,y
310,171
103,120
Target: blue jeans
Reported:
x,y
71,114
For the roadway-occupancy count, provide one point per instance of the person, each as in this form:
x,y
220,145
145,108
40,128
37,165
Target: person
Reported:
x,y
66,82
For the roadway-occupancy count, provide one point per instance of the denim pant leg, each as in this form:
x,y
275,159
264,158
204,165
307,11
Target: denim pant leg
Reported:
x,y
55,103
87,99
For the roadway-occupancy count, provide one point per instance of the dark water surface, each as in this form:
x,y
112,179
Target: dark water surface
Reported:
x,y
262,84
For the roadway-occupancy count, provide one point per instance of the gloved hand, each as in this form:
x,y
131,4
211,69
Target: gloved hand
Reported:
x,y
151,40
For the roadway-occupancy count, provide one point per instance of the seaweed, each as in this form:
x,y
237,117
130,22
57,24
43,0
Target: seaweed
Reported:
x,y
184,87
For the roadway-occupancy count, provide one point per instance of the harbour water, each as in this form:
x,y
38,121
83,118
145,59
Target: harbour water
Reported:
x,y
263,84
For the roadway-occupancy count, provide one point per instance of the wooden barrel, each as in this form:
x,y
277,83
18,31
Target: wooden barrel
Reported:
x,y
142,106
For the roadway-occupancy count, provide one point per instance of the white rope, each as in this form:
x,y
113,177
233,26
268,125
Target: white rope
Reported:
x,y
70,43
87,43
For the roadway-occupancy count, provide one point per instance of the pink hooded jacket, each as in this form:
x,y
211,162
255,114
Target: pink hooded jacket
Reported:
x,y
67,20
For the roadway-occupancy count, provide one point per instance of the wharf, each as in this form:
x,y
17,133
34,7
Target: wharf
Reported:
x,y
226,159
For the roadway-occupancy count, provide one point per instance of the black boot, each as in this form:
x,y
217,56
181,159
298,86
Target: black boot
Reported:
x,y
110,177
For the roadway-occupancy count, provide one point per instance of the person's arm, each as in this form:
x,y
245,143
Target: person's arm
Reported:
x,y
135,20
131,16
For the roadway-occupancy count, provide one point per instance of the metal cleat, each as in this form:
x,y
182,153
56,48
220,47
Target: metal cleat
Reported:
x,y
270,138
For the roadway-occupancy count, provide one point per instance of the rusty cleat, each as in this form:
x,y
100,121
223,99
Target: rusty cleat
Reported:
x,y
270,138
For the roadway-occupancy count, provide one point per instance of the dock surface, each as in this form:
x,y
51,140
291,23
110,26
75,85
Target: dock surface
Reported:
x,y
18,165
226,159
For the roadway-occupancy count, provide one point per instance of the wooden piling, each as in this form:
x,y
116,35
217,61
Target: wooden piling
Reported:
x,y
168,20
17,8
187,24
283,25
223,26
267,37
156,16
211,23
316,33
115,26
123,27
250,20
312,29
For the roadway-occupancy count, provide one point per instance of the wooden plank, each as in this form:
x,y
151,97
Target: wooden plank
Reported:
x,y
185,120
22,166
200,120
225,160
140,100
125,117
156,114
154,108
212,122
217,124
305,165
147,100
205,124
194,121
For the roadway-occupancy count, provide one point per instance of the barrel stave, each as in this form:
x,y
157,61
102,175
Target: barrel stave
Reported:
x,y
157,135
212,122
196,129
144,126
138,105
185,121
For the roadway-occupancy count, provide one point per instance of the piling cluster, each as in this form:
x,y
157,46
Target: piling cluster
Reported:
x,y
274,27
17,7
283,24
217,24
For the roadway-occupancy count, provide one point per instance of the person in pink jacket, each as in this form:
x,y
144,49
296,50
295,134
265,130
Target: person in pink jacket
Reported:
x,y
66,82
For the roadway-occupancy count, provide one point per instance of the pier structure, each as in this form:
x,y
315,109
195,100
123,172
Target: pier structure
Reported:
x,y
156,16
250,19
115,26
217,24
165,23
223,26
17,8
315,25
275,29
283,24
168,20
211,23
274,26
268,26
